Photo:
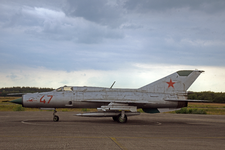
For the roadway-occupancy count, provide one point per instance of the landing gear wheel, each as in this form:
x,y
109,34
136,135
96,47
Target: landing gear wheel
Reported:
x,y
115,118
122,120
55,118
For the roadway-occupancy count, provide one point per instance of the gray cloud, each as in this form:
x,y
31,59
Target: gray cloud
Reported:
x,y
15,4
104,35
144,6
45,23
99,11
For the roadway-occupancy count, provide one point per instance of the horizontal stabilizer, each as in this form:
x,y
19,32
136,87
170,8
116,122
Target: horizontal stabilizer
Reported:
x,y
162,110
186,100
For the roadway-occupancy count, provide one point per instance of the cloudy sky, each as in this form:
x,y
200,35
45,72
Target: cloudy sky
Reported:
x,y
96,42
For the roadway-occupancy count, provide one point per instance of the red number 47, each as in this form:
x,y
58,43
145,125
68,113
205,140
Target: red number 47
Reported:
x,y
43,100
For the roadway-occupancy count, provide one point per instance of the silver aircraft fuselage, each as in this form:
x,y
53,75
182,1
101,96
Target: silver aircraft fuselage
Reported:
x,y
168,92
94,97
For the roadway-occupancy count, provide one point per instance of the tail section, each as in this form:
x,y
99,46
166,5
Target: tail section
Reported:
x,y
177,82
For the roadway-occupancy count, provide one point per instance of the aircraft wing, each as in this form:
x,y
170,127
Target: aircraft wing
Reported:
x,y
117,101
144,102
186,100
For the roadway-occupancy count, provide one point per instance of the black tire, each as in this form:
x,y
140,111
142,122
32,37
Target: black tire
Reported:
x,y
115,118
122,120
55,118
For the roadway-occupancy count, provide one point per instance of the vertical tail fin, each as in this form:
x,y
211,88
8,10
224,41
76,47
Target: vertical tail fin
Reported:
x,y
177,82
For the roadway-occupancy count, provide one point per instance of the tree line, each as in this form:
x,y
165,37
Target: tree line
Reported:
x,y
216,97
7,90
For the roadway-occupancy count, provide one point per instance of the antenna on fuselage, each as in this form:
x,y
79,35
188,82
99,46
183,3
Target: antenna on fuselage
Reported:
x,y
112,84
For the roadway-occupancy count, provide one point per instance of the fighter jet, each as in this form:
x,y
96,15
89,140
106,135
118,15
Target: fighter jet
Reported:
x,y
168,92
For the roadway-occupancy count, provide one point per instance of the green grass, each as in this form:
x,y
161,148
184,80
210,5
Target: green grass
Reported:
x,y
85,109
18,108
203,108
140,110
186,110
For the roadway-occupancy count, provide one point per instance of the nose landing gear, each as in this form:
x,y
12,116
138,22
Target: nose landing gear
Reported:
x,y
55,117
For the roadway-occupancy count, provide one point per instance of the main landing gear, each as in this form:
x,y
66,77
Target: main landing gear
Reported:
x,y
121,118
55,117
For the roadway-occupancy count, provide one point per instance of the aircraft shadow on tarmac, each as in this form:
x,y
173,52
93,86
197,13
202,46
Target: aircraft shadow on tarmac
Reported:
x,y
100,121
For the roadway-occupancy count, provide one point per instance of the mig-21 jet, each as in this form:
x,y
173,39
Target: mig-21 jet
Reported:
x,y
168,92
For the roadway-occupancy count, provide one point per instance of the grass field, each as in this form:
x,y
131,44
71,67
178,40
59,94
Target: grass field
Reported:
x,y
209,108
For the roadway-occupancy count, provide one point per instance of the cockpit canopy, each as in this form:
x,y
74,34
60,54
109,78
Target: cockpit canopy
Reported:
x,y
65,88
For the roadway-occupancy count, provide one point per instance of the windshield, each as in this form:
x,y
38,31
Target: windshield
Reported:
x,y
65,88
59,89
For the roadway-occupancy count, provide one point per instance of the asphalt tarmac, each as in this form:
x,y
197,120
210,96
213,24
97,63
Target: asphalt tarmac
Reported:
x,y
36,130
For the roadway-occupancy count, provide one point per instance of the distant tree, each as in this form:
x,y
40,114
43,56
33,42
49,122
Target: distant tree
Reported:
x,y
7,90
207,95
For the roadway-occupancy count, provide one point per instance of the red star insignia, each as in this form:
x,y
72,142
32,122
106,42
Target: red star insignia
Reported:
x,y
170,84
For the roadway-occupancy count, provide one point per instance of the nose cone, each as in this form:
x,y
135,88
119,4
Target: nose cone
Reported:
x,y
17,101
